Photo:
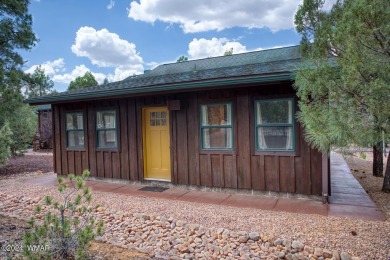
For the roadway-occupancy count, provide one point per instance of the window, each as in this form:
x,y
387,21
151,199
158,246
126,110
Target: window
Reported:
x,y
74,129
274,125
216,127
106,129
158,118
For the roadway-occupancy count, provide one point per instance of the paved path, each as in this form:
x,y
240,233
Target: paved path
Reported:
x,y
348,198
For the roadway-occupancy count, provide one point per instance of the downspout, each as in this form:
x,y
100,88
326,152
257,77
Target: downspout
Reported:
x,y
325,178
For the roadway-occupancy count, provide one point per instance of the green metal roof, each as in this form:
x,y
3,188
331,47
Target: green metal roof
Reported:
x,y
258,66
43,107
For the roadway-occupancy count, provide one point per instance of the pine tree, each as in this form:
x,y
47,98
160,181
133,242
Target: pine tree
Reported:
x,y
88,80
39,84
15,34
182,58
343,85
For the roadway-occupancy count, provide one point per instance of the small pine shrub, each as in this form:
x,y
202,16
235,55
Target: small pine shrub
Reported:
x,y
363,155
68,226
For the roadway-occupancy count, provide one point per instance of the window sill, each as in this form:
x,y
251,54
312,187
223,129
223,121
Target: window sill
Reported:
x,y
277,153
107,149
75,149
216,151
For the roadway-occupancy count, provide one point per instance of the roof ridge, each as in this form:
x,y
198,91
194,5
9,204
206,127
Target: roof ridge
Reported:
x,y
139,77
282,53
234,54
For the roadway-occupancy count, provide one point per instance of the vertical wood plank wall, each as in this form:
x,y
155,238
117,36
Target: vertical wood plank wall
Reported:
x,y
243,168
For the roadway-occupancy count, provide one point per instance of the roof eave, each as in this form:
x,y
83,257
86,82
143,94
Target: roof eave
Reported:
x,y
160,88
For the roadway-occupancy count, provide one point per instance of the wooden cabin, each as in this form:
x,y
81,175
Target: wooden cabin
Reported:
x,y
226,122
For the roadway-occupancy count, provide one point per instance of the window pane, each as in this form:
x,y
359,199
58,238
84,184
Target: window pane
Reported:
x,y
75,138
274,137
217,138
276,111
106,119
216,115
74,121
107,138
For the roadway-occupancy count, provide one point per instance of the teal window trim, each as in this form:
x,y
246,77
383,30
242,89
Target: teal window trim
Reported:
x,y
231,126
292,125
107,129
67,131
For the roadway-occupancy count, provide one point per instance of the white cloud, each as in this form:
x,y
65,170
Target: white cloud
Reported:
x,y
204,48
153,64
105,49
206,15
111,4
120,73
77,72
50,67
123,72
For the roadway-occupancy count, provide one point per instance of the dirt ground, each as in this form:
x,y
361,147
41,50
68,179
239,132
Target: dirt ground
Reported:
x,y
31,162
11,237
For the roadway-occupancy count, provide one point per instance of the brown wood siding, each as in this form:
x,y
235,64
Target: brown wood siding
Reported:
x,y
182,144
193,141
57,140
241,168
242,136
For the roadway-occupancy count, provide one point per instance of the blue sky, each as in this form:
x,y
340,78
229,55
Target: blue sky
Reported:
x,y
116,39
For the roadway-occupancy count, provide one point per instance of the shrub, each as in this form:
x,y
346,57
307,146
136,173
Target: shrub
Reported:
x,y
363,155
23,124
5,143
67,230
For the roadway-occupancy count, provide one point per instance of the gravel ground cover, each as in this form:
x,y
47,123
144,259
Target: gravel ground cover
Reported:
x,y
170,238
129,217
363,239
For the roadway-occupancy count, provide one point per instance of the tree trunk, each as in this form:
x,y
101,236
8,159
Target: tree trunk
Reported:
x,y
386,181
377,165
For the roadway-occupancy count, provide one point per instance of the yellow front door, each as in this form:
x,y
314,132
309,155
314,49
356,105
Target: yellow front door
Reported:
x,y
156,142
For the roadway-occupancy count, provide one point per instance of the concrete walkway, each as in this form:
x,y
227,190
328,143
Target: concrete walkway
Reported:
x,y
348,197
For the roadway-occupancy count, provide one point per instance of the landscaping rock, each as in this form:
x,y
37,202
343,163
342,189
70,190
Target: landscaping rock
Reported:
x,y
297,245
308,249
255,236
327,253
173,238
318,252
336,255
345,256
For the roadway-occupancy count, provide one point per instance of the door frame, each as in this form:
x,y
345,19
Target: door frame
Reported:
x,y
143,126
